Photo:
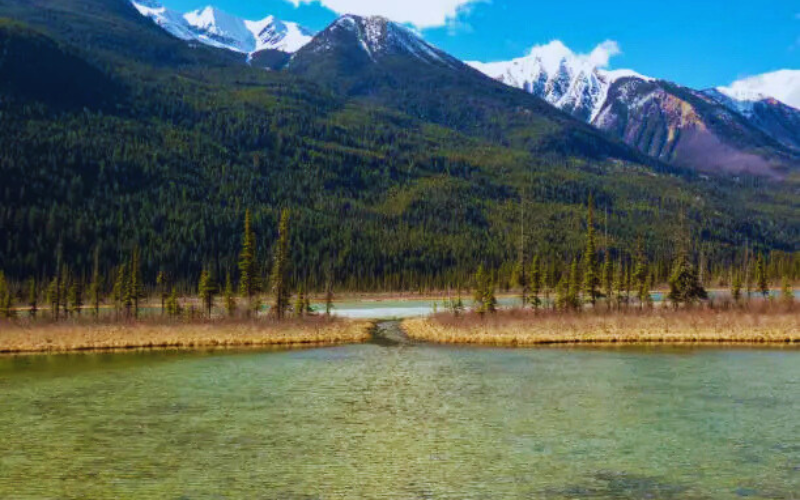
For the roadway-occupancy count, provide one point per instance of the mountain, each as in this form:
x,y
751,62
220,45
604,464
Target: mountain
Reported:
x,y
708,131
402,167
566,80
688,128
374,59
216,28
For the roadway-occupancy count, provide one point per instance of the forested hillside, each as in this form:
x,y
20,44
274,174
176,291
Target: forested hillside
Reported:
x,y
146,142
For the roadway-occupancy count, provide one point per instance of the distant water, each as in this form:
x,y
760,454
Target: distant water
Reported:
x,y
393,420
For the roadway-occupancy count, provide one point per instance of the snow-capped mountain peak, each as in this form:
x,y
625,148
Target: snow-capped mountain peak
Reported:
x,y
378,36
575,83
214,27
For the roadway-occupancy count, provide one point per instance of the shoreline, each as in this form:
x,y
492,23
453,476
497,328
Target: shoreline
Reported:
x,y
681,328
120,337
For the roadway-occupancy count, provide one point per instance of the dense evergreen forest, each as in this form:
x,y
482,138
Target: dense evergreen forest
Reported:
x,y
115,137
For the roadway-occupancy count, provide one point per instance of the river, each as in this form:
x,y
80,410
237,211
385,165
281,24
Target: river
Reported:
x,y
396,419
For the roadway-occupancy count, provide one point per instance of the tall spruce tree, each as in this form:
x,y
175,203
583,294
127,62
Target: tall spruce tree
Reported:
x,y
536,282
95,286
53,299
163,286
207,289
787,291
591,276
5,297
75,297
173,306
684,283
608,279
619,283
33,297
762,282
640,274
279,278
574,291
120,289
249,282
230,298
136,284
736,286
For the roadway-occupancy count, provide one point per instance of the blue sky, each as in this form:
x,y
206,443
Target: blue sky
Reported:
x,y
700,43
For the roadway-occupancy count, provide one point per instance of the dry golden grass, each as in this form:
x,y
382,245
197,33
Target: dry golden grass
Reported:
x,y
19,337
517,328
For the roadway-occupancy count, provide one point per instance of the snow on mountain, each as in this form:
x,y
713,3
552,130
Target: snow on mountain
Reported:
x,y
783,85
216,28
377,37
575,83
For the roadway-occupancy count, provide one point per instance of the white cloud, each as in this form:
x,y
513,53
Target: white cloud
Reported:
x,y
420,13
551,54
783,85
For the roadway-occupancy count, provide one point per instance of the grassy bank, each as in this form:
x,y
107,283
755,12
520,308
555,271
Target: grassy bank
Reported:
x,y
41,336
526,328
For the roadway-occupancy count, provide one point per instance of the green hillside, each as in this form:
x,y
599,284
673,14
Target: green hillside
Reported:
x,y
164,146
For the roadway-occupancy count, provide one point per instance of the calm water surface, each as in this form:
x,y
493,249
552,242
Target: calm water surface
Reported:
x,y
403,421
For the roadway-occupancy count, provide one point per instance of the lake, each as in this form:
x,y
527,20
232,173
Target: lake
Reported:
x,y
392,419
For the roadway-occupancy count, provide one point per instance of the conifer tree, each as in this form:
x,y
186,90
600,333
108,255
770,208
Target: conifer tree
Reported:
x,y
684,282
75,297
173,306
547,282
53,298
640,275
574,292
280,270
591,277
207,289
787,292
161,284
120,290
619,283
136,285
230,298
63,289
762,283
736,286
300,303
33,297
249,282
562,293
520,279
94,286
484,298
608,279
536,282
5,297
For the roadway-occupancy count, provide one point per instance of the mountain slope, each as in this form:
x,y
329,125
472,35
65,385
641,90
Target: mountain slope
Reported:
x,y
386,193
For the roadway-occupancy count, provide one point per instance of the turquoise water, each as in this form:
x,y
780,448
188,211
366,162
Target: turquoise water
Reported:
x,y
403,421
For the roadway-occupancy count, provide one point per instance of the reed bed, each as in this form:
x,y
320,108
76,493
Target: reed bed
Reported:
x,y
50,337
662,326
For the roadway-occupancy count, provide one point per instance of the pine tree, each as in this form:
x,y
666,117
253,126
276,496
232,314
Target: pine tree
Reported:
x,y
484,298
161,283
608,279
619,283
33,297
94,286
75,297
300,303
562,293
520,279
591,277
63,289
736,286
573,294
762,283
280,270
5,297
787,291
136,285
207,289
640,275
120,291
684,283
249,282
173,306
535,281
52,297
230,298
